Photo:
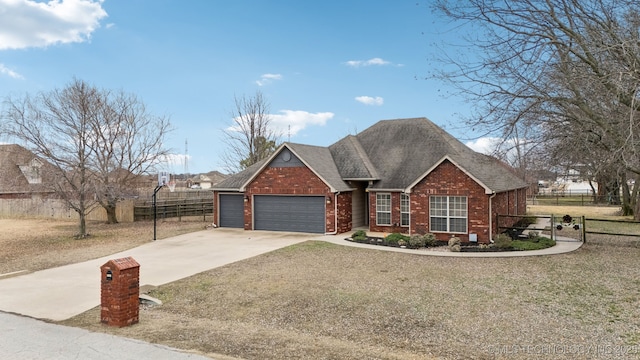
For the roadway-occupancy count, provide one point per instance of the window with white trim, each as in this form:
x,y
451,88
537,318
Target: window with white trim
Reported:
x,y
448,214
383,209
404,210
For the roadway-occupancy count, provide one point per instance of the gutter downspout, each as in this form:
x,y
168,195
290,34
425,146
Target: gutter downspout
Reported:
x,y
491,217
335,213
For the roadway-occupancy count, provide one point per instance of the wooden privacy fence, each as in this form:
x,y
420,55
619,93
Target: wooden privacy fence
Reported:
x,y
173,208
35,207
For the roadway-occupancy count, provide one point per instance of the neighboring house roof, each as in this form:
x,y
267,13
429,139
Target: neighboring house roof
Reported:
x,y
21,170
216,176
393,155
201,178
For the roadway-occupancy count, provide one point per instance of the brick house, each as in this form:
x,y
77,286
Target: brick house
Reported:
x,y
404,175
22,174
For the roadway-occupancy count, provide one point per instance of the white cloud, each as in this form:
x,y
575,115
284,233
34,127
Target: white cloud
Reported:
x,y
368,100
484,145
370,62
6,71
29,23
268,78
293,121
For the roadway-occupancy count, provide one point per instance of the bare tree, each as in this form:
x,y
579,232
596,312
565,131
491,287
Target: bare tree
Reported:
x,y
251,138
128,143
569,67
88,136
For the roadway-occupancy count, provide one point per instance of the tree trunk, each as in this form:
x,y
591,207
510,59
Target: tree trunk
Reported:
x,y
111,214
82,230
635,198
627,203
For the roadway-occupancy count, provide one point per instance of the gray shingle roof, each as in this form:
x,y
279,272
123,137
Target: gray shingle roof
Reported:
x,y
403,149
394,154
236,181
320,160
352,161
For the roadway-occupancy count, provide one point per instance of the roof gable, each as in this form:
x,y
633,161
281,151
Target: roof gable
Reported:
x,y
487,190
317,159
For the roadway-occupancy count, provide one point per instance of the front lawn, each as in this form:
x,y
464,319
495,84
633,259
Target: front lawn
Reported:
x,y
317,300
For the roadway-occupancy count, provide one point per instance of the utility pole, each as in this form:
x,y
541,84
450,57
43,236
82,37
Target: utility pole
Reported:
x,y
186,159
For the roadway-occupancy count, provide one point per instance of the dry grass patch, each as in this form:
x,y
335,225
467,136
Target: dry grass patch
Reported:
x,y
604,212
36,244
316,300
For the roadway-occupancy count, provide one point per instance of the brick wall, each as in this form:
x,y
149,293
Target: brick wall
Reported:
x,y
448,179
395,214
512,202
345,209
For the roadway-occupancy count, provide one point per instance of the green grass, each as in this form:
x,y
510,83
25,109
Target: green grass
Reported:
x,y
539,243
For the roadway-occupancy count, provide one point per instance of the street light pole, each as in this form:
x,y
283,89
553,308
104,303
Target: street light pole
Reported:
x,y
155,209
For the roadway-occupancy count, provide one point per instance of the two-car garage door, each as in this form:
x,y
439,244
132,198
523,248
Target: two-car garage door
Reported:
x,y
276,213
289,213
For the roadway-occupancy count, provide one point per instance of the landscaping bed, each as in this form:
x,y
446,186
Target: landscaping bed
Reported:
x,y
502,242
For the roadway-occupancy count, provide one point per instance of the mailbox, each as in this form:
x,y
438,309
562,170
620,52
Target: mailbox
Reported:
x,y
120,292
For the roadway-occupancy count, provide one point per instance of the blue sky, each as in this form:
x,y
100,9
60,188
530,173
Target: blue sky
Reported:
x,y
327,68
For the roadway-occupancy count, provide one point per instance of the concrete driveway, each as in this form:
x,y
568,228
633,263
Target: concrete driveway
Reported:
x,y
63,292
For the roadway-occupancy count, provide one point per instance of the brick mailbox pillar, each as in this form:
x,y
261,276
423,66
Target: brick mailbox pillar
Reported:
x,y
119,292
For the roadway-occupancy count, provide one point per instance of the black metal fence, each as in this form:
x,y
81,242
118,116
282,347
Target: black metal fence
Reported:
x,y
566,226
572,200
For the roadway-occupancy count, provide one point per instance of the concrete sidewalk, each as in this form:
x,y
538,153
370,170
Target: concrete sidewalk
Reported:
x,y
63,292
24,338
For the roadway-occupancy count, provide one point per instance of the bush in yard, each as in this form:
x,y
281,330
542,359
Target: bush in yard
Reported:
x,y
430,240
454,244
502,241
392,239
416,241
359,236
